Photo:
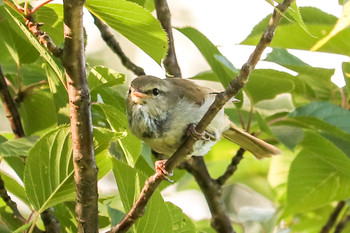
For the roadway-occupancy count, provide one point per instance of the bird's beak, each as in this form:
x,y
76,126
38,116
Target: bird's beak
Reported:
x,y
136,96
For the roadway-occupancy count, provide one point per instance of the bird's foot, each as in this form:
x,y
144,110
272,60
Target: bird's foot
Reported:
x,y
205,136
161,171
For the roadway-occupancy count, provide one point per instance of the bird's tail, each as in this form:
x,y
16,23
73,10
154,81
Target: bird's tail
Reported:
x,y
259,148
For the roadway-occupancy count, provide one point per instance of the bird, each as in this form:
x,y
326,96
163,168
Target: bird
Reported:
x,y
162,112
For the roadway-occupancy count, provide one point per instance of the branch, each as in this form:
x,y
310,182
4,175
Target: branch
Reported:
x,y
85,168
231,168
340,227
10,107
7,199
42,36
212,191
333,217
170,61
113,44
221,99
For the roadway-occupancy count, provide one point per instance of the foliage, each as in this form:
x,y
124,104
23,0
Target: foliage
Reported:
x,y
303,113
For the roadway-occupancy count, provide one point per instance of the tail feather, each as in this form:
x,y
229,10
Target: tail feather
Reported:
x,y
259,148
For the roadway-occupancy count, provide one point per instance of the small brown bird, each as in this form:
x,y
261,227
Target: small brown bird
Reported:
x,y
160,112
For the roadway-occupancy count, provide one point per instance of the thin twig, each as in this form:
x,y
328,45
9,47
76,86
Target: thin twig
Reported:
x,y
10,107
212,192
170,61
7,199
340,227
113,44
85,168
38,5
230,170
221,99
333,217
42,36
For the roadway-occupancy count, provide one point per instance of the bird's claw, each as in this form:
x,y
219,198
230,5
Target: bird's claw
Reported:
x,y
205,136
161,171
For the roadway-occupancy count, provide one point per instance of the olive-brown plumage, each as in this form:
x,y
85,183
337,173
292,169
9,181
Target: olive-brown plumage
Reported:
x,y
160,110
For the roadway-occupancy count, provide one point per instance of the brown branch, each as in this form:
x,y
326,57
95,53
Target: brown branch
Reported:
x,y
220,100
113,44
333,217
85,168
231,168
170,61
10,107
7,199
340,227
212,192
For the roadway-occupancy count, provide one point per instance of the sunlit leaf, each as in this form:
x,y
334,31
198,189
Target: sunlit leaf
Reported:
x,y
130,145
342,23
38,112
330,113
12,41
51,15
157,217
14,187
222,67
318,175
42,51
17,147
134,22
148,4
100,78
311,83
267,84
48,175
291,35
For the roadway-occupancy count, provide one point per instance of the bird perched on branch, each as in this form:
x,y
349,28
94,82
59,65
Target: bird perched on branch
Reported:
x,y
161,112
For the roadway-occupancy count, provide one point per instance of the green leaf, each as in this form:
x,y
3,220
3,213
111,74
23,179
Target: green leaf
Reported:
x,y
319,175
148,4
291,35
288,135
22,228
14,187
102,140
222,67
38,113
267,84
135,23
311,83
100,78
12,41
157,217
295,13
181,223
48,175
17,147
342,23
65,213
327,112
51,15
130,145
59,94
42,51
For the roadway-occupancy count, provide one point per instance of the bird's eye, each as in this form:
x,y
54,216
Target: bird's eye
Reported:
x,y
129,90
155,91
